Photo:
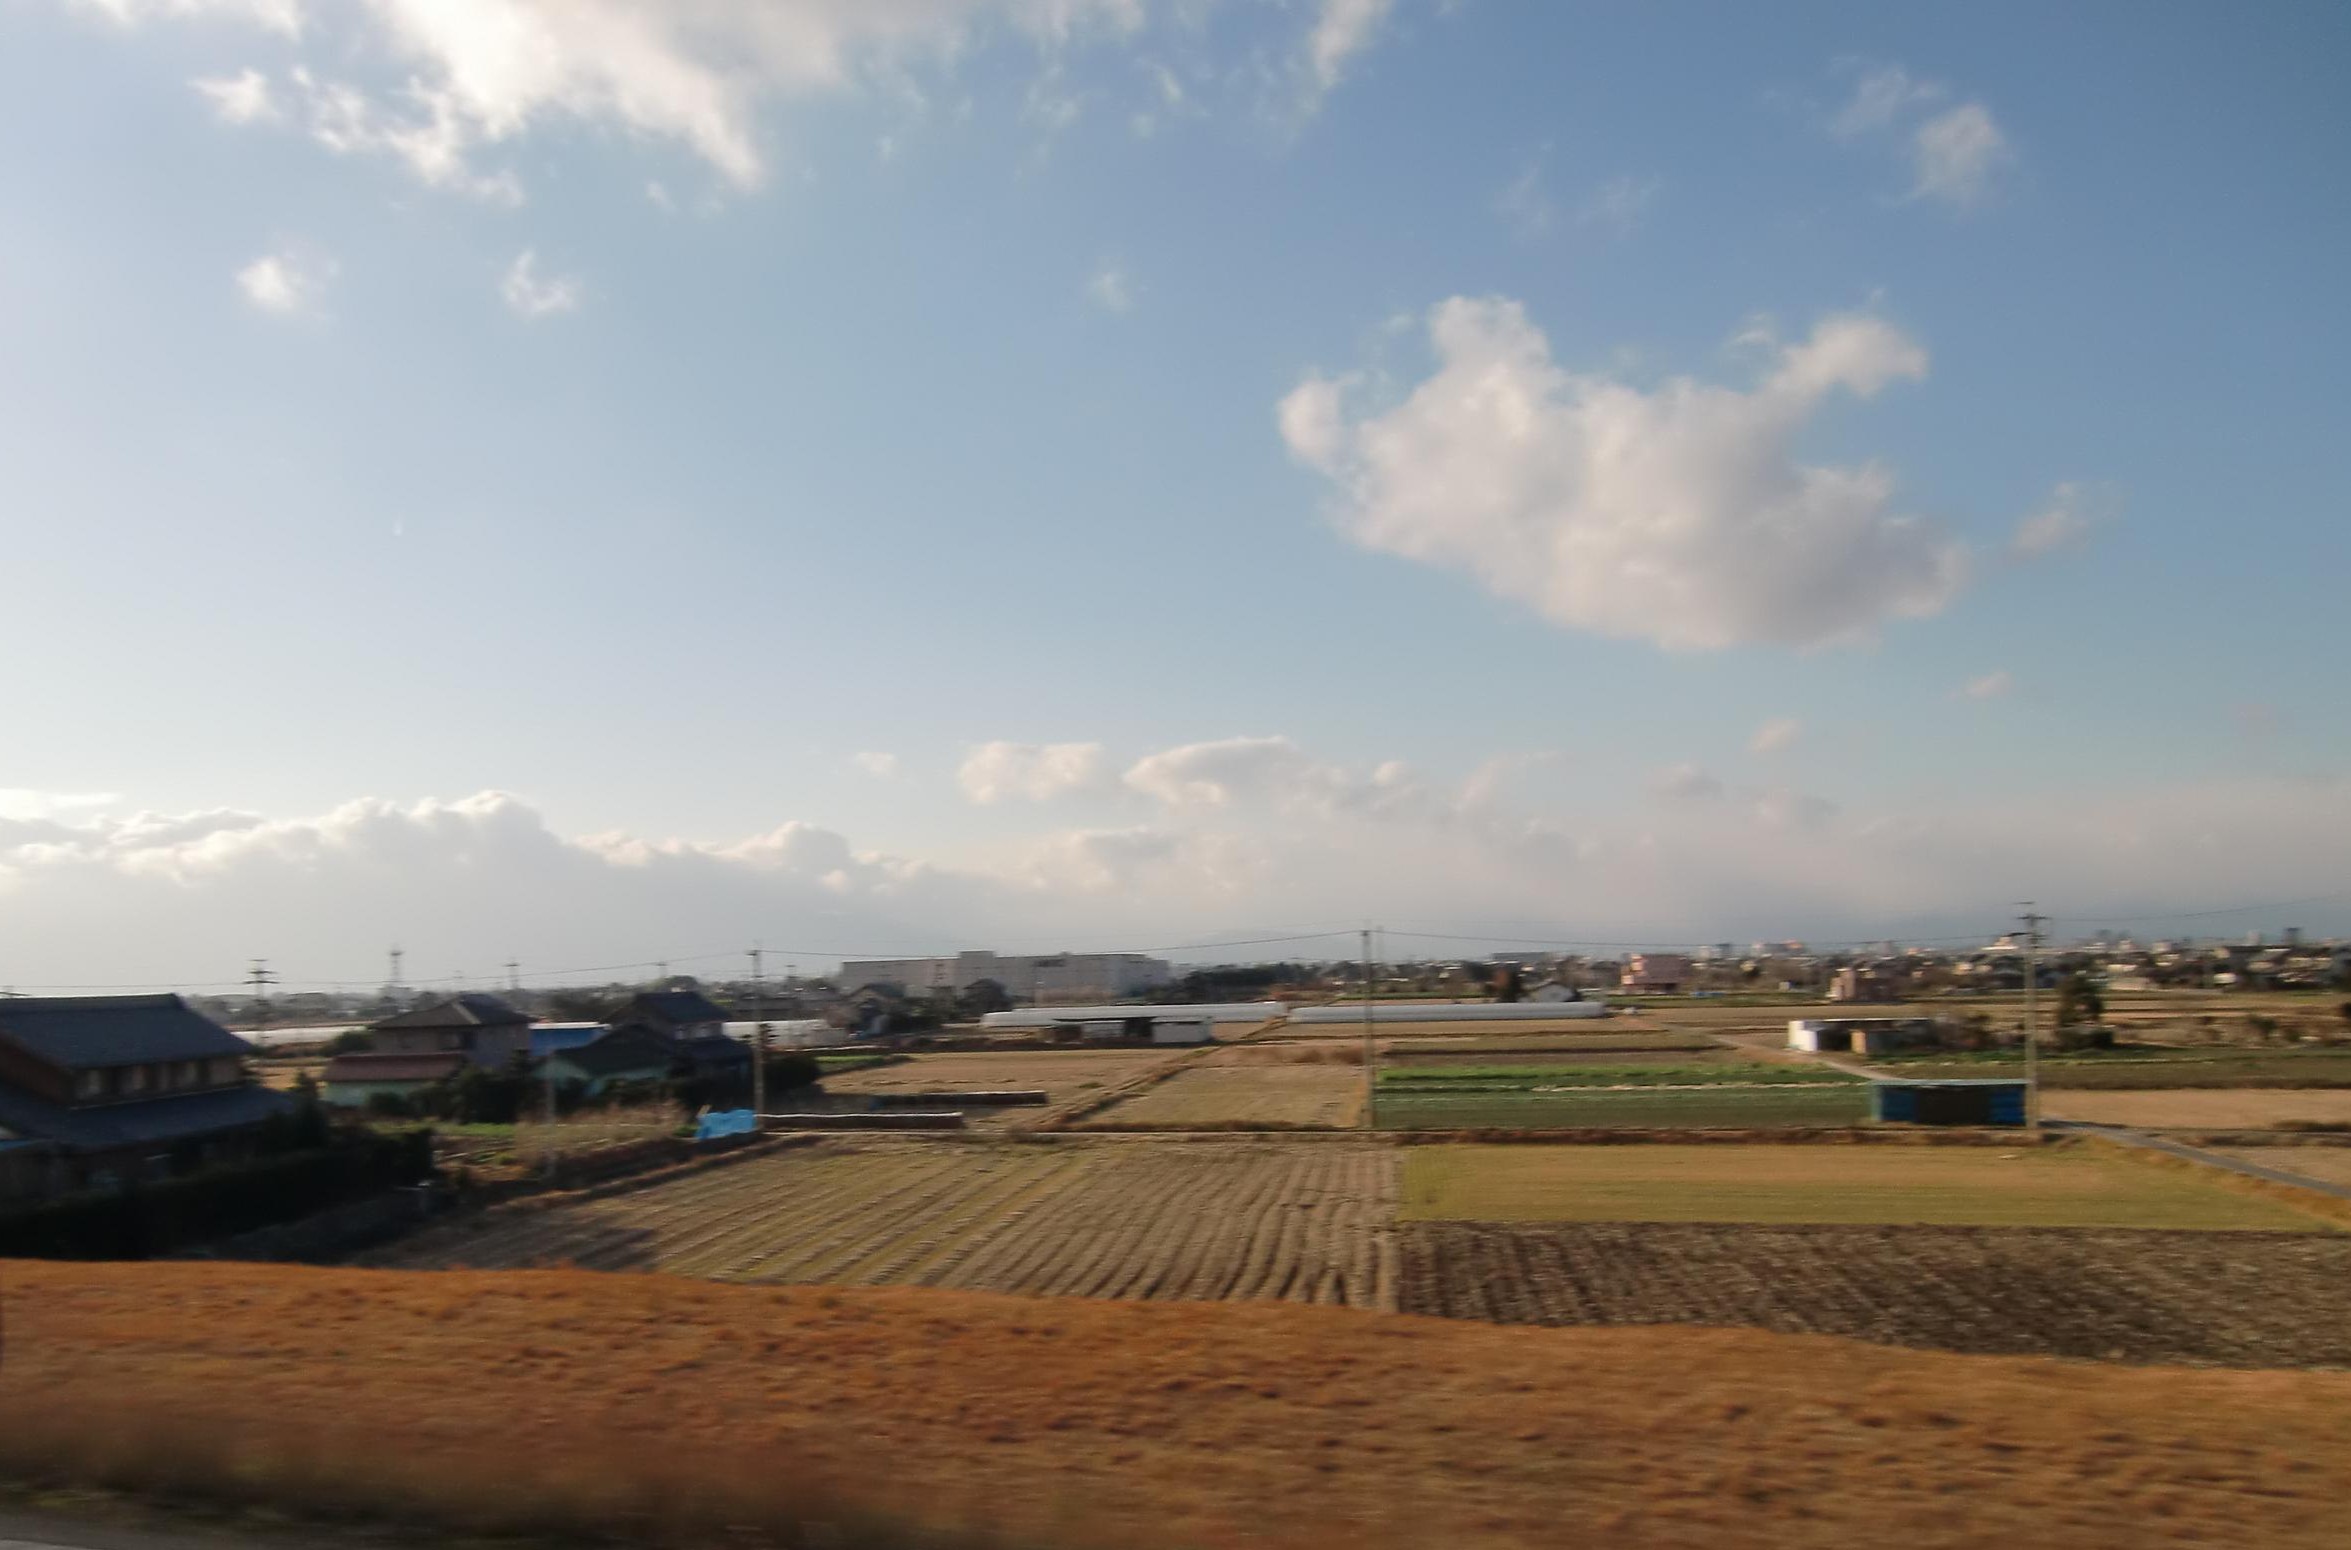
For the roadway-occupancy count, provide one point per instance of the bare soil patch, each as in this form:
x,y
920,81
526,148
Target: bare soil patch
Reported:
x,y
2244,1299
1305,1094
650,1404
2200,1109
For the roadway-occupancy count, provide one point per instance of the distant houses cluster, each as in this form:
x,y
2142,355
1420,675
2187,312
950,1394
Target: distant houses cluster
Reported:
x,y
653,1036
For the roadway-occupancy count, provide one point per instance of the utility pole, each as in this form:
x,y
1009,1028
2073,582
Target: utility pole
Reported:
x,y
1370,1076
259,977
758,1041
2032,1018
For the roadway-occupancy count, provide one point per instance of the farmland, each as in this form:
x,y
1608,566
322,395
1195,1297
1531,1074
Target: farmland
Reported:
x,y
2327,1164
1097,1217
1640,1044
1069,1077
582,1406
2058,1186
2210,1109
2146,1068
2254,1299
1756,1107
1232,1089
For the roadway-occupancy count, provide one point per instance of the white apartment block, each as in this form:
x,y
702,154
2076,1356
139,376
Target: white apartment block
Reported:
x,y
1053,977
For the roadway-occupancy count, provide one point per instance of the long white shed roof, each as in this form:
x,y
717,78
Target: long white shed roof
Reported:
x,y
1212,1011
1451,1011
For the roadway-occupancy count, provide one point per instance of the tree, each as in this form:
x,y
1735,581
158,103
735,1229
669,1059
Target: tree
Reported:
x,y
2081,1012
1508,984
983,996
351,1041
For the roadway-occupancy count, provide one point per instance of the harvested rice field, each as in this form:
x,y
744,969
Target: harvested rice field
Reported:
x,y
2206,1109
2078,1185
1216,1093
1080,1217
2247,1299
2326,1164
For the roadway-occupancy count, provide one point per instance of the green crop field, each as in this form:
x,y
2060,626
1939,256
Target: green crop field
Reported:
x,y
2059,1186
1709,1107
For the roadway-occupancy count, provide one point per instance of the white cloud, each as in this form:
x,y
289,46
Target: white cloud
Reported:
x,y
1676,514
243,98
1034,772
1956,155
532,295
1619,205
1111,289
2065,520
1990,686
1775,735
1343,29
881,766
94,898
285,283
18,803
1686,783
1882,96
283,16
438,85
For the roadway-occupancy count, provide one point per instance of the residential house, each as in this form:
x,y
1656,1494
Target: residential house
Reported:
x,y
482,1028
1656,972
675,1015
351,1080
625,1056
96,1091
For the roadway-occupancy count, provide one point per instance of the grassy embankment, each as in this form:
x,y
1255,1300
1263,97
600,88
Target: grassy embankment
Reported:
x,y
643,1407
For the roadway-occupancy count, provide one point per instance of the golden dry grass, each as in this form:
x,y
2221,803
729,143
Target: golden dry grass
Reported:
x,y
625,1401
1062,1073
1303,1093
2200,1108
2327,1164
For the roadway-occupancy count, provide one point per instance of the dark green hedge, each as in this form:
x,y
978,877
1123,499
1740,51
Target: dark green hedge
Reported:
x,y
145,1220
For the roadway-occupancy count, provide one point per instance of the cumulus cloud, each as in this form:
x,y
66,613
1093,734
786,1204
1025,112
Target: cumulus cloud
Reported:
x,y
1525,201
2065,520
881,766
286,282
243,98
1883,95
1032,772
89,897
1677,514
1990,686
19,803
530,294
1776,734
440,86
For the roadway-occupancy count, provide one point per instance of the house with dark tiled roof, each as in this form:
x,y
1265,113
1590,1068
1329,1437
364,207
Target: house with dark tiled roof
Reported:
x,y
101,1090
482,1028
676,1015
625,1056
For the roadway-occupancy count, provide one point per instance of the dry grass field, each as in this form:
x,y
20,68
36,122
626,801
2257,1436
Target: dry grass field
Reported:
x,y
2056,1186
1062,1072
1218,1091
1094,1217
2327,1164
2205,1109
646,1404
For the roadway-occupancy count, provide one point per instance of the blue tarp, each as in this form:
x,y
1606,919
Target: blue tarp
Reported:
x,y
720,1123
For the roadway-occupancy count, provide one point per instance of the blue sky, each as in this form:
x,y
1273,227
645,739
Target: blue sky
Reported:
x,y
884,447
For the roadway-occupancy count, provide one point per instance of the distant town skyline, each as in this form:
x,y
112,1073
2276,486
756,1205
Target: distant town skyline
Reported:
x,y
1120,474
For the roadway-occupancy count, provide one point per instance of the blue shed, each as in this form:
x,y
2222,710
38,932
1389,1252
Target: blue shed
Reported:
x,y
1996,1101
